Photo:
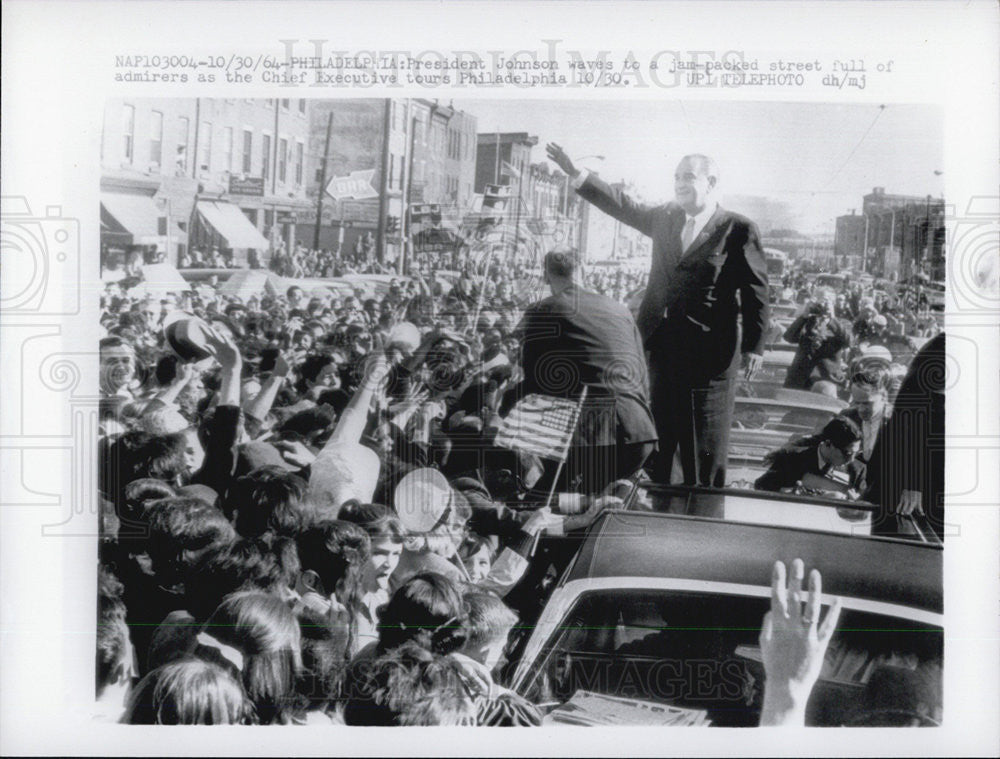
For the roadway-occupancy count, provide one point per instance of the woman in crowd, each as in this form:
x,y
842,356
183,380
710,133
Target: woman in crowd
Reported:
x,y
247,447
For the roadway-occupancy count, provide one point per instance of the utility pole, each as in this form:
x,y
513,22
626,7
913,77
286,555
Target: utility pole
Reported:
x,y
517,213
864,249
404,187
197,128
322,182
496,163
274,180
406,236
383,194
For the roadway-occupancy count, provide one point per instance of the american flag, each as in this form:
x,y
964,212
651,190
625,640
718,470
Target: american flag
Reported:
x,y
540,425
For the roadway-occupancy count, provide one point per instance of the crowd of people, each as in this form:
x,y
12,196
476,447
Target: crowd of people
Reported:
x,y
833,328
877,351
317,509
261,557
301,261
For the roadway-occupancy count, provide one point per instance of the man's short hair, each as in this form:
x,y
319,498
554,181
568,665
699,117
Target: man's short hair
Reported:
x,y
873,375
705,164
115,341
489,618
562,263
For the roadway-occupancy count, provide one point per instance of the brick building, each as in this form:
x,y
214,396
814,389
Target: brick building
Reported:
x,y
418,151
203,172
895,236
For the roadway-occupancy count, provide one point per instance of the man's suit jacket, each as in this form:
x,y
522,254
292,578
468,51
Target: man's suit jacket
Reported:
x,y
706,293
579,338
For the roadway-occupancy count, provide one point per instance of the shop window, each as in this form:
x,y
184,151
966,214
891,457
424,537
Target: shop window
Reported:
x,y
265,162
128,132
184,129
282,159
247,150
156,138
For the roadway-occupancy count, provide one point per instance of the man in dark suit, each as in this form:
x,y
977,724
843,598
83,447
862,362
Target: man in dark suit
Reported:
x,y
706,303
906,469
575,339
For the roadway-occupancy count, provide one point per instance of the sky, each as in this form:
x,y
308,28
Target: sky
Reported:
x,y
819,158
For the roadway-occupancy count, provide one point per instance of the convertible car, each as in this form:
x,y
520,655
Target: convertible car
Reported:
x,y
656,620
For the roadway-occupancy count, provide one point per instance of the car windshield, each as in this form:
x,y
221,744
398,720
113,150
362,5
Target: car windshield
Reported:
x,y
687,657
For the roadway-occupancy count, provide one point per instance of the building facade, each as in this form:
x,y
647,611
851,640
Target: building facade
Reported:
x,y
602,238
444,155
905,235
895,236
215,173
849,241
418,152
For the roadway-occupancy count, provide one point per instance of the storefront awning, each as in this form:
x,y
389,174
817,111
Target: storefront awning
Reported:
x,y
135,214
230,222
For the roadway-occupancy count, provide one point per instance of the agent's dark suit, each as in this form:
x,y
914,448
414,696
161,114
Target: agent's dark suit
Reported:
x,y
690,321
909,453
578,338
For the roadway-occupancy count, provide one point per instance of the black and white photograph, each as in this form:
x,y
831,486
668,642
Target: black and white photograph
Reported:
x,y
409,422
357,384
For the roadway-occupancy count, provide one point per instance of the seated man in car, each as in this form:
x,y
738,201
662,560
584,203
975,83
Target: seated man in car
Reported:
x,y
806,462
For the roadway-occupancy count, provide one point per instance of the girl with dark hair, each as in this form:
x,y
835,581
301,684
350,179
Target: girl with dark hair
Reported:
x,y
413,680
427,610
318,372
261,629
269,499
808,460
477,554
387,535
333,555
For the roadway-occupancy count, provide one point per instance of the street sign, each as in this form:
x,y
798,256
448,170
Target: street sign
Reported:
x,y
357,185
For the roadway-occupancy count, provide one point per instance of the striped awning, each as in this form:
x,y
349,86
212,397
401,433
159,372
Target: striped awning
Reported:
x,y
132,213
231,224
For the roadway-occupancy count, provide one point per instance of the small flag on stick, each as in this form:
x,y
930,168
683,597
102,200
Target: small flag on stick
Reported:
x,y
541,425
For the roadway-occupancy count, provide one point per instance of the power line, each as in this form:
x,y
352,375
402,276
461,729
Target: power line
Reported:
x,y
878,115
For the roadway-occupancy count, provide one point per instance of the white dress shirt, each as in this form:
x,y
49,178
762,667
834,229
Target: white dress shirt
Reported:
x,y
700,220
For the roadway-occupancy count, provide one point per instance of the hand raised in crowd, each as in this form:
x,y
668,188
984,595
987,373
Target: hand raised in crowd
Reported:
x,y
376,369
282,367
185,373
559,157
793,643
224,348
295,453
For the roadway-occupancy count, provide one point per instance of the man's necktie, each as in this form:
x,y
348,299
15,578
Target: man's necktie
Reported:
x,y
687,234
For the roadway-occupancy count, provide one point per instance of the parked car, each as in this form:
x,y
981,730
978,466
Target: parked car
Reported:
x,y
659,614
